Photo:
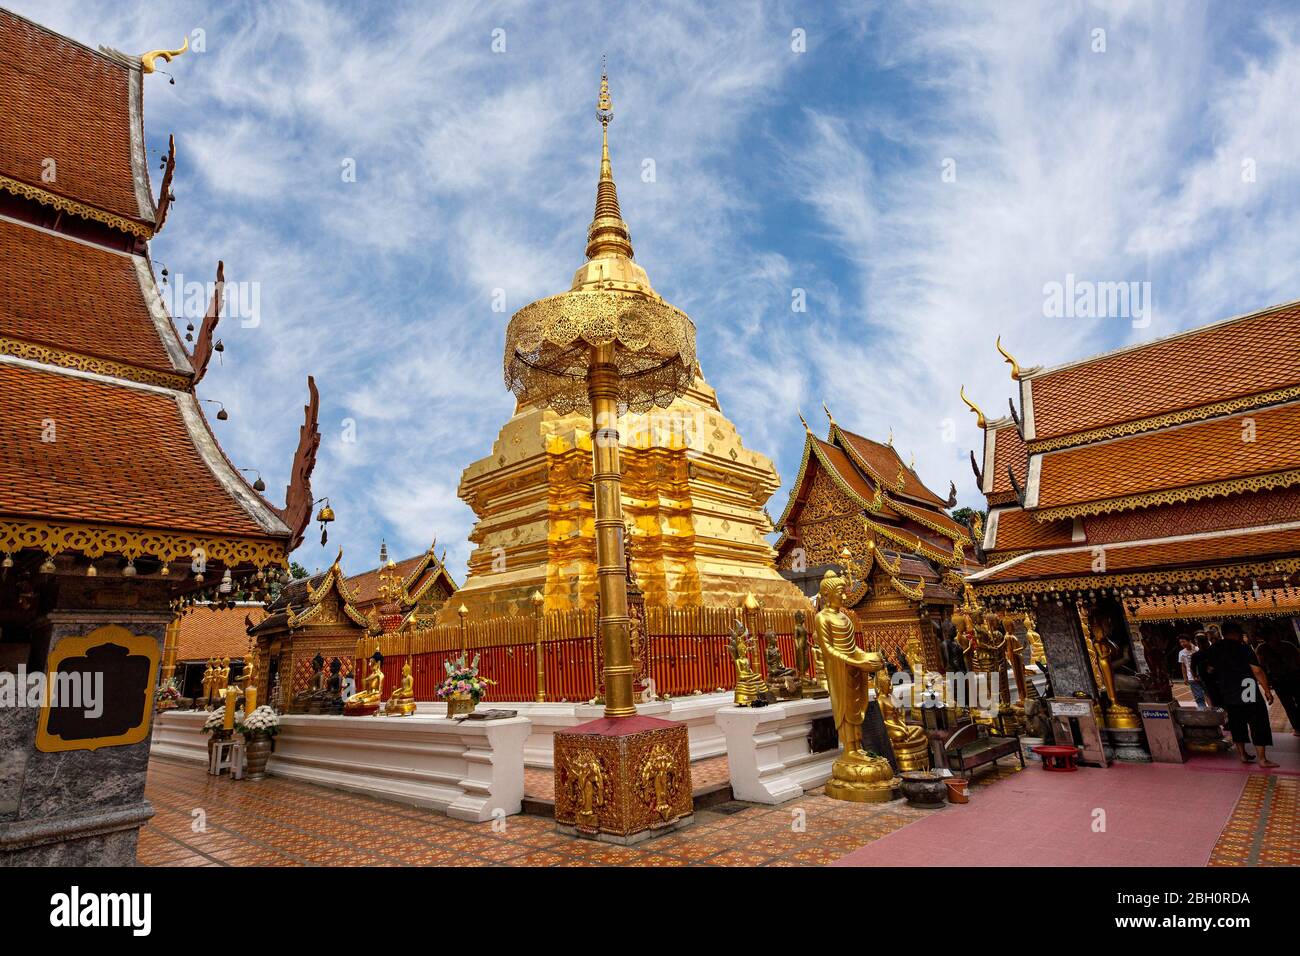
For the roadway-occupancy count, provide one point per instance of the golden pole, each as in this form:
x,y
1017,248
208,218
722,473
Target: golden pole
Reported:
x,y
170,640
538,603
611,571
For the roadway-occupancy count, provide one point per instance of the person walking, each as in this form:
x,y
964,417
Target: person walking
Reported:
x,y
1185,664
1280,659
1239,682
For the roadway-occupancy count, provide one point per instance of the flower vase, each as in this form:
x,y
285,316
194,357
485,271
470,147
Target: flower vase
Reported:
x,y
257,751
460,703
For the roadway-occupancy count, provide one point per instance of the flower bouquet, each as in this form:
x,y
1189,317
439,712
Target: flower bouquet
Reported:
x,y
216,722
258,729
263,722
463,687
168,696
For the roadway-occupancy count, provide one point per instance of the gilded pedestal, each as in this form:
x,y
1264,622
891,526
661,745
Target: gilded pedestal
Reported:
x,y
623,780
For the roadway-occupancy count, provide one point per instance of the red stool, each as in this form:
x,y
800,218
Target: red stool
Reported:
x,y
1058,759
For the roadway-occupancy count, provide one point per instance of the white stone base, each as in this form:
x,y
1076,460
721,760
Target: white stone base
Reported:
x,y
697,712
767,750
468,769
179,734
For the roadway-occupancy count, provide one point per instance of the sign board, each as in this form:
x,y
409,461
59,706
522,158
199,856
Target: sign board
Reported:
x,y
1071,708
99,691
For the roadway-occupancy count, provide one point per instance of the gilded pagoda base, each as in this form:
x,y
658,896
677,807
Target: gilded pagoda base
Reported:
x,y
623,780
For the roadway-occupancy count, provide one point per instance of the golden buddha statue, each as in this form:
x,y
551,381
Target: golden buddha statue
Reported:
x,y
249,679
402,702
1036,653
368,699
1118,717
223,675
750,686
208,679
857,775
910,743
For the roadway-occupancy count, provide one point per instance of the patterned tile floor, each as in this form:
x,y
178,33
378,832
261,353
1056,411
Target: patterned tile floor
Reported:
x,y
278,822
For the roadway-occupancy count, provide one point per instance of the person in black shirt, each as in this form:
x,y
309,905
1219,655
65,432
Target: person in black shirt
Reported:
x,y
1238,681
1280,659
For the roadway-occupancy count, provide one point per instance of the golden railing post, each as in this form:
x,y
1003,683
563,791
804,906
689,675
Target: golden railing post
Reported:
x,y
463,611
538,603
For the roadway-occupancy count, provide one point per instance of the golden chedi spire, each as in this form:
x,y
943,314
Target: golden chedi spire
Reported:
x,y
609,241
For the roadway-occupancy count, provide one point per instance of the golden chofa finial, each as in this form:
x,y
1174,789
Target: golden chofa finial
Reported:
x,y
1015,366
799,412
829,417
147,60
979,416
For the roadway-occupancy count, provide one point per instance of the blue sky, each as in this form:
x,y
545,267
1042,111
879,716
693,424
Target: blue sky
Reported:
x,y
1166,150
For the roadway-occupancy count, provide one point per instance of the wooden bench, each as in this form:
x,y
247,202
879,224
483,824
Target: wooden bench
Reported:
x,y
973,746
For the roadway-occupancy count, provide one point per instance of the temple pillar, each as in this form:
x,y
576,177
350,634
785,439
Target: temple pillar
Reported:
x,y
1067,660
71,790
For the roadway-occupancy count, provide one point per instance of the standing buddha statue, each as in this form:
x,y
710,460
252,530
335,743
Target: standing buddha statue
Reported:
x,y
857,775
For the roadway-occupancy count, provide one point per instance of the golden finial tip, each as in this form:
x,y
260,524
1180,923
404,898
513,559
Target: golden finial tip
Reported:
x,y
149,60
799,412
829,417
979,415
1015,366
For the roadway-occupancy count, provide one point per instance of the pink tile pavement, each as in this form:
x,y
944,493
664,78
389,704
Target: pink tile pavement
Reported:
x,y
1155,815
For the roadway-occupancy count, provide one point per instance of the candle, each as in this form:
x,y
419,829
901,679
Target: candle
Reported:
x,y
229,721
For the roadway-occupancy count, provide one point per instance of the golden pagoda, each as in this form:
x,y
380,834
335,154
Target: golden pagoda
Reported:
x,y
693,495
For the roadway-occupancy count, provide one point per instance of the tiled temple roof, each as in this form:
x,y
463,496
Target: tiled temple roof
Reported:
x,y
211,631
80,448
1257,353
67,294
78,108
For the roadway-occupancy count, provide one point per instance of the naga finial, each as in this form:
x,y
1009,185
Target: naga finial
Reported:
x,y
979,415
891,436
799,412
829,416
147,60
1015,366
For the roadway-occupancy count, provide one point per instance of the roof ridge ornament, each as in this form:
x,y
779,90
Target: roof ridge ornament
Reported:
x,y
1015,366
980,420
149,60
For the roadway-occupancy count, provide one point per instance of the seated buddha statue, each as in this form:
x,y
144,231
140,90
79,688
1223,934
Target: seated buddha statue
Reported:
x,y
857,775
910,743
750,686
368,700
402,702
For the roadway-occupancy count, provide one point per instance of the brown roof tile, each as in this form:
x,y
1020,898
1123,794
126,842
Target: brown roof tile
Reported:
x,y
884,463
66,103
206,631
1258,353
1008,449
365,586
1016,530
1179,457
120,455
70,295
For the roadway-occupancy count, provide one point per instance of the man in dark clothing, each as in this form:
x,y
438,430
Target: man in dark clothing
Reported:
x,y
1280,659
1238,681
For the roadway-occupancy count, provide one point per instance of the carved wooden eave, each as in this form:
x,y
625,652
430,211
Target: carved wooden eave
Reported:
x,y
165,193
203,344
335,582
296,512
